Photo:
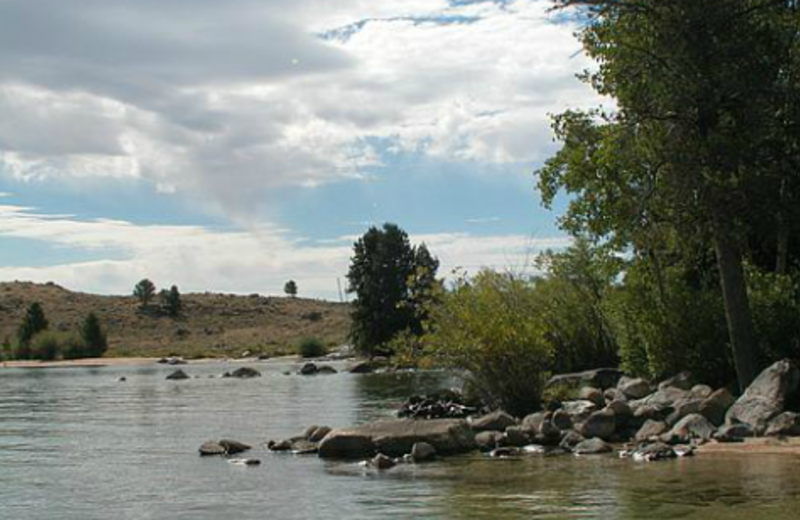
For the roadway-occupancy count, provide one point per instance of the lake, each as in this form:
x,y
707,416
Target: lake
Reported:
x,y
75,443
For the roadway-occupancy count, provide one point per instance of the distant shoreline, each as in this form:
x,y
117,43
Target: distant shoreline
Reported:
x,y
77,363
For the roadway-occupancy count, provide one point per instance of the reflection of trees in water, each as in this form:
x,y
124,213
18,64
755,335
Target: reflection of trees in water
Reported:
x,y
380,395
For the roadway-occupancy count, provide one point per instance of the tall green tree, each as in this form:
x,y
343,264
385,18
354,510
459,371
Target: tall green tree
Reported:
x,y
93,336
171,301
290,288
381,269
682,154
33,323
144,291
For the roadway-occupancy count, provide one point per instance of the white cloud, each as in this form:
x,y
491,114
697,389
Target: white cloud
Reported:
x,y
241,261
229,100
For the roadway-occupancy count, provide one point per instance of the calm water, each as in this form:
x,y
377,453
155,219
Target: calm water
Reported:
x,y
77,444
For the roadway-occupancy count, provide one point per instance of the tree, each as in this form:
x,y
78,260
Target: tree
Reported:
x,y
145,290
290,288
93,336
682,155
381,269
33,323
171,301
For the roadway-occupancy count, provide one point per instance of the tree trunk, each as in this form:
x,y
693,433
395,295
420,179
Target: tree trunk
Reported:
x,y
737,305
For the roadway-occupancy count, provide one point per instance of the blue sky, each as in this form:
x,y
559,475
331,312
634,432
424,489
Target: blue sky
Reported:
x,y
230,146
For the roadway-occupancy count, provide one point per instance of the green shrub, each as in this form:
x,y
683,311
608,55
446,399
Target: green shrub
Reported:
x,y
45,346
93,337
311,347
488,326
775,303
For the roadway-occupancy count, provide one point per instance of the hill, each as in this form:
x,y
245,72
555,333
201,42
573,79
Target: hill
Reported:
x,y
210,325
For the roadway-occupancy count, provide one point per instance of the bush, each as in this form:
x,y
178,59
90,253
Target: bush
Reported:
x,y
311,347
488,326
93,337
775,303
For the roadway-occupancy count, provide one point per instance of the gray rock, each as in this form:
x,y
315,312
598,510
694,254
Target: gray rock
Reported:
x,y
653,452
622,412
579,411
310,431
633,388
363,367
682,381
601,378
245,373
382,462
766,397
562,420
516,436
570,440
233,447
787,423
701,391
549,432
716,405
495,421
651,412
487,441
683,408
282,445
614,394
178,375
594,395
600,424
309,369
211,448
319,433
650,429
663,397
505,452
734,432
592,447
396,437
326,369
422,452
533,422
304,447
693,427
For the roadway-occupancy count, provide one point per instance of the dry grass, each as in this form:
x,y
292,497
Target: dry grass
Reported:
x,y
211,325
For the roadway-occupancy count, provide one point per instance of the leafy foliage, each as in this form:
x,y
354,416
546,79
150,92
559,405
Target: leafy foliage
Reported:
x,y
390,279
93,336
171,301
144,291
33,323
311,347
290,288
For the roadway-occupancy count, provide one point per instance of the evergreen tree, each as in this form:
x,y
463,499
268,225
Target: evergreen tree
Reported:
x,y
290,288
381,269
33,323
145,290
171,301
93,336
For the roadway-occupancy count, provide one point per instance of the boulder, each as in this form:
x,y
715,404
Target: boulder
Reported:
x,y
304,447
683,408
562,420
701,391
614,394
211,448
653,452
601,378
233,447
650,412
245,373
734,432
363,367
716,405
319,433
633,388
683,381
382,462
178,375
579,411
422,452
622,413
766,396
495,421
516,436
599,424
592,447
326,369
533,422
396,437
444,404
650,429
282,445
570,440
664,397
594,395
693,427
311,369
787,423
487,441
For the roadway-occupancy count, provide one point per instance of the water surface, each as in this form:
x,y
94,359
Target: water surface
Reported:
x,y
75,443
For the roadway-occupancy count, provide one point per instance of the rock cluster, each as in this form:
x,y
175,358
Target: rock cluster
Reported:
x,y
446,404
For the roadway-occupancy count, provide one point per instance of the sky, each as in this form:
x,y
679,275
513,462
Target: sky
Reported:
x,y
232,145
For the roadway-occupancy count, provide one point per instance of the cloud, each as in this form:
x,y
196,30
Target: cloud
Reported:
x,y
199,258
227,101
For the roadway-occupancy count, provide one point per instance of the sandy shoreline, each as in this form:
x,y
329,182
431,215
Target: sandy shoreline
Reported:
x,y
759,446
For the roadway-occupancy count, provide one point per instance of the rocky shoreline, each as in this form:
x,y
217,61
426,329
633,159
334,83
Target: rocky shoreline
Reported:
x,y
613,413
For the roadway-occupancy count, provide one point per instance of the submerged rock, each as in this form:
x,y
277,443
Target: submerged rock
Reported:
x,y
178,375
223,447
245,373
422,452
382,462
310,369
245,462
592,447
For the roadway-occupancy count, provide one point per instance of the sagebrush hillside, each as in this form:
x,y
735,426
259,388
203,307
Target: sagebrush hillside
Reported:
x,y
210,325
